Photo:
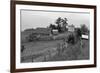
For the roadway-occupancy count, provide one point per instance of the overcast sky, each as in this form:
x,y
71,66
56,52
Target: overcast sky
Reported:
x,y
34,19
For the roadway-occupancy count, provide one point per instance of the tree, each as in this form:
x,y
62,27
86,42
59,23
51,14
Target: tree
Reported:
x,y
71,39
78,33
65,23
58,21
84,29
61,24
52,26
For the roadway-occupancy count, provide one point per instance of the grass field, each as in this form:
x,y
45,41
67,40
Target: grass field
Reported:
x,y
38,46
54,50
74,52
47,51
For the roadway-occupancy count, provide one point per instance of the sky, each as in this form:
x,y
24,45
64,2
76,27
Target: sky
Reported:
x,y
34,19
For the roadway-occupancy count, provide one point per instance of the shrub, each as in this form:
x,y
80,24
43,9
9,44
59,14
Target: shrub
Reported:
x,y
78,33
32,37
84,29
71,39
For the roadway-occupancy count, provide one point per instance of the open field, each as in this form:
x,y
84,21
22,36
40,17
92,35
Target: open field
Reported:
x,y
35,47
74,52
47,51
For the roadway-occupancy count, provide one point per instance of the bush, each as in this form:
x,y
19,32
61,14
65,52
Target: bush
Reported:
x,y
71,39
84,29
32,37
78,33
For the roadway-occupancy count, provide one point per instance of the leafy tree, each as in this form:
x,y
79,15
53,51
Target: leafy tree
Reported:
x,y
58,21
65,22
84,29
52,26
59,28
61,24
78,32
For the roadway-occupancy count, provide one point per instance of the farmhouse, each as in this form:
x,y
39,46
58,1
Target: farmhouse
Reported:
x,y
71,28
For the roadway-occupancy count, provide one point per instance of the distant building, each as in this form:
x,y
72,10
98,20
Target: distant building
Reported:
x,y
71,28
54,31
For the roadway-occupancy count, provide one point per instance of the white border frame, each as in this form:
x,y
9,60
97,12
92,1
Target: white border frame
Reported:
x,y
52,64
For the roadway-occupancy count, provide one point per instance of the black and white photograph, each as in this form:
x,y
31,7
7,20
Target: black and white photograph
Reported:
x,y
54,35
